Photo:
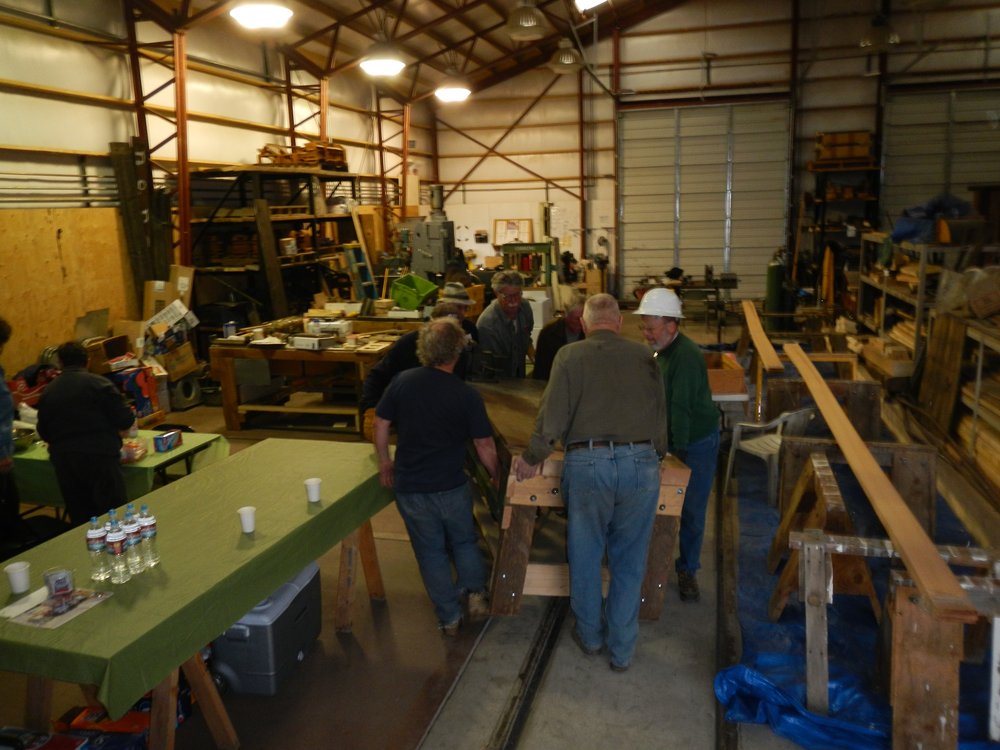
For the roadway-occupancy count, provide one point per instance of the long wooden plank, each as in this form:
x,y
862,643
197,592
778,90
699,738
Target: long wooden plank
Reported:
x,y
761,343
945,598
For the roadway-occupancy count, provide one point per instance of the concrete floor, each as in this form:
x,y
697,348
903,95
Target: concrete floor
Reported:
x,y
394,682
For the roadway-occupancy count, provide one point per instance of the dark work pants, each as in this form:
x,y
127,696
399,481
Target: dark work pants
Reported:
x,y
10,508
90,484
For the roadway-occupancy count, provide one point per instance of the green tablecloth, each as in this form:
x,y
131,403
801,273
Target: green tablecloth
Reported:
x,y
36,479
211,574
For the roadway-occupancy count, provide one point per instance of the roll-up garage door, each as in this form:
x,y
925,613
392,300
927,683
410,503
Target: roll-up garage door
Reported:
x,y
702,186
939,142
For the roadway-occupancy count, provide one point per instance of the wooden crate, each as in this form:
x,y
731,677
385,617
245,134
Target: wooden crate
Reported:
x,y
725,376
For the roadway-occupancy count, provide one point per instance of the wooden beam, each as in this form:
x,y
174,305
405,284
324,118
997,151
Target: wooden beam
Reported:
x,y
761,343
944,597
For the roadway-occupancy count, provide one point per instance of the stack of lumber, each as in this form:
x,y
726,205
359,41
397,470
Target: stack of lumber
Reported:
x,y
905,333
985,445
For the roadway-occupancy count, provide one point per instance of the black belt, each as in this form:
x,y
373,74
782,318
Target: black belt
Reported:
x,y
607,444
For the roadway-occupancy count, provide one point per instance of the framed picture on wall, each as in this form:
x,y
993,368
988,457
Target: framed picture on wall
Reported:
x,y
511,230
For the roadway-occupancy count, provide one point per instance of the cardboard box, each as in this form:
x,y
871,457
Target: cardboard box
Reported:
x,y
109,354
179,362
156,296
182,277
725,376
135,330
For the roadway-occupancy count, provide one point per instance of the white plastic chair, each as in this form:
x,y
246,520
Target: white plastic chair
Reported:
x,y
767,446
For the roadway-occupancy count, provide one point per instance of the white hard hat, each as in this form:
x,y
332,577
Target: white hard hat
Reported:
x,y
662,302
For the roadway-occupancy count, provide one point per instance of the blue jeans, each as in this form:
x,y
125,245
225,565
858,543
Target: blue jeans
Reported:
x,y
442,531
611,496
702,457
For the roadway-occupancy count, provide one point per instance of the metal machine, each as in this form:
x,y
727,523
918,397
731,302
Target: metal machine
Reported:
x,y
433,241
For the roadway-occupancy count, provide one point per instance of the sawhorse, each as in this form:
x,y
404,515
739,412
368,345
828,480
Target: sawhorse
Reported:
x,y
925,652
514,576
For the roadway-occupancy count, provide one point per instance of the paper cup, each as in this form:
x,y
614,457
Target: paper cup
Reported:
x,y
312,489
247,513
18,576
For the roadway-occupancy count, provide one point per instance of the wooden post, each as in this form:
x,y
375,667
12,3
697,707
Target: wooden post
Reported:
x,y
816,593
924,689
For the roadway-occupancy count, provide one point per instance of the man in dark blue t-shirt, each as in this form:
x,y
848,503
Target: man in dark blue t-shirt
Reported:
x,y
435,415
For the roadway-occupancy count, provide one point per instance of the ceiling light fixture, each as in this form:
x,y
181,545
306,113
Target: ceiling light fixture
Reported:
x,y
453,88
526,23
566,59
585,5
383,59
261,15
880,35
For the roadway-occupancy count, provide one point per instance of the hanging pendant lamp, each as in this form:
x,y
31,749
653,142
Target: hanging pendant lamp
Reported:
x,y
383,58
453,88
526,23
566,59
261,15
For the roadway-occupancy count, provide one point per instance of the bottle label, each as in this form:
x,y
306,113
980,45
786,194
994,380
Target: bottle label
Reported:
x,y
95,544
116,544
149,529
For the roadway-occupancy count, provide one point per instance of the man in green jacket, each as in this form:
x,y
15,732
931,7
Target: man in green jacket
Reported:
x,y
693,423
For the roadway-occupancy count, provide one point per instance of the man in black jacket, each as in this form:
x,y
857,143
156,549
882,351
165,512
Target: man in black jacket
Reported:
x,y
81,415
403,356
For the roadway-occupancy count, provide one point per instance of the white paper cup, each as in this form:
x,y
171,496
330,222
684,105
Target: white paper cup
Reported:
x,y
18,576
247,513
312,489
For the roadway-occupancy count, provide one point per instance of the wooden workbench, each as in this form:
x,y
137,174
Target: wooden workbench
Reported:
x,y
295,364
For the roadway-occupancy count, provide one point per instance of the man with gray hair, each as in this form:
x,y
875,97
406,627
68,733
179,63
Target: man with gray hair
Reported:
x,y
505,325
605,404
435,415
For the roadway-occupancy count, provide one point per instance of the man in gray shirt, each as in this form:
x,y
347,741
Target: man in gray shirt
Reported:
x,y
605,403
505,326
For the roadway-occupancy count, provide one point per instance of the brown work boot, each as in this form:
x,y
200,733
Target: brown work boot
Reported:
x,y
477,606
451,629
687,585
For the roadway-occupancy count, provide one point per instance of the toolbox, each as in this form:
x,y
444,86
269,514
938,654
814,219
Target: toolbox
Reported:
x,y
261,649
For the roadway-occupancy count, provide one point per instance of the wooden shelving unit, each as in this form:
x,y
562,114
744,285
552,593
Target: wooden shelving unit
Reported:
x,y
272,234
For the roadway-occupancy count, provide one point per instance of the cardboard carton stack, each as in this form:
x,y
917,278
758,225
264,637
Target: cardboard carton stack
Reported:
x,y
144,356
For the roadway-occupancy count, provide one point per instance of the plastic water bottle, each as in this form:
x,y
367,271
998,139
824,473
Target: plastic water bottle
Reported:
x,y
96,536
133,537
116,550
147,524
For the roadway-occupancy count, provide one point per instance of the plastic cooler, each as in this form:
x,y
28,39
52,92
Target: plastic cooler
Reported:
x,y
410,291
259,651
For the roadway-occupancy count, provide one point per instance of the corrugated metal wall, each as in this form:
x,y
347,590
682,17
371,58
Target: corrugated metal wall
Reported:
x,y
703,186
939,142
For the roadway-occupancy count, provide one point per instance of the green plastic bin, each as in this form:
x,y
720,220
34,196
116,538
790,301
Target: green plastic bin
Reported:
x,y
411,291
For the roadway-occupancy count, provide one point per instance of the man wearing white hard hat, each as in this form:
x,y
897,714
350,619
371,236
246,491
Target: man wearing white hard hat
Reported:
x,y
693,422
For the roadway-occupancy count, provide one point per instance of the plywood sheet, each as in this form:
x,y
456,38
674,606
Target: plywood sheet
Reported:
x,y
56,265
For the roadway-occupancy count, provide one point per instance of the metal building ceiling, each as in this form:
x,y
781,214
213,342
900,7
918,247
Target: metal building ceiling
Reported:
x,y
325,37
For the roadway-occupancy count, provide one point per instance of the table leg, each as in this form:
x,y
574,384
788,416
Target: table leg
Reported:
x,y
226,369
345,582
205,692
163,715
38,704
369,561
